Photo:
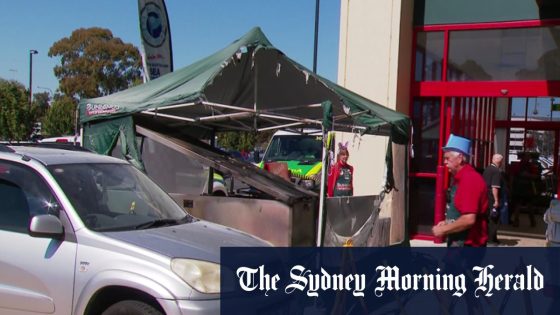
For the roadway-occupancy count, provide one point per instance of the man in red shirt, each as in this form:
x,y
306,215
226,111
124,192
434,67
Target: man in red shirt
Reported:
x,y
467,205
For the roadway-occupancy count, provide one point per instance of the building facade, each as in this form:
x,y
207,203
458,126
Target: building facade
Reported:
x,y
488,70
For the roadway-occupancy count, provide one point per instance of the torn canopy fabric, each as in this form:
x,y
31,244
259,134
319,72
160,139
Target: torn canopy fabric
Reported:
x,y
101,138
248,86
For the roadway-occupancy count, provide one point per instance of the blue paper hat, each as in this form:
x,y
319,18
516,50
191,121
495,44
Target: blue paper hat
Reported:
x,y
458,144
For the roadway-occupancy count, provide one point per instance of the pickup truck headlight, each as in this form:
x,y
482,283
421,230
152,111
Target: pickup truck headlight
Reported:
x,y
203,276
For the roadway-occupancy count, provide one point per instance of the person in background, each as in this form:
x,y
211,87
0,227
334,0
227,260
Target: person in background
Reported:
x,y
526,177
467,204
505,198
340,180
495,185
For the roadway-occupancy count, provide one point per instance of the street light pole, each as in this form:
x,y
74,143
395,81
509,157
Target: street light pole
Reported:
x,y
316,37
31,53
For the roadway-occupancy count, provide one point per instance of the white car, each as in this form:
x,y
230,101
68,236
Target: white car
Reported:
x,y
62,139
82,233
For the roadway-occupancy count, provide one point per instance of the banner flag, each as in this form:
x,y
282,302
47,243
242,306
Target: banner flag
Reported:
x,y
390,280
156,38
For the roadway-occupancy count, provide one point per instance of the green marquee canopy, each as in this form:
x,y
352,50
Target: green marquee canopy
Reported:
x,y
249,86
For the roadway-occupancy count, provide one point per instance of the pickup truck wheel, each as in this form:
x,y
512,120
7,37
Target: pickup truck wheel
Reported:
x,y
131,307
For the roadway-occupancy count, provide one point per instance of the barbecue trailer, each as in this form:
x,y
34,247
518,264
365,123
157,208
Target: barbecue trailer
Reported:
x,y
252,86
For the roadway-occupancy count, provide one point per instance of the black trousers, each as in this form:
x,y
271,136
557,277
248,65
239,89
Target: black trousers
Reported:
x,y
493,224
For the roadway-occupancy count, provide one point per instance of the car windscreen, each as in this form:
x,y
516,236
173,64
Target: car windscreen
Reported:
x,y
112,197
306,149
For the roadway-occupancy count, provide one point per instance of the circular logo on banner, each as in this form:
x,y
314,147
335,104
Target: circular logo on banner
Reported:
x,y
153,25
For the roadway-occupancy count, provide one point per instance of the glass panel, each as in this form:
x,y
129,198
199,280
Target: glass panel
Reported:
x,y
173,171
429,56
542,143
422,203
23,194
536,109
516,137
306,150
540,109
509,54
531,176
555,108
426,123
111,197
518,108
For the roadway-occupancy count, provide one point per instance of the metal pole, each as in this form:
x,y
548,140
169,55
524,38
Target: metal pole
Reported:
x,y
30,77
316,36
210,190
31,53
321,220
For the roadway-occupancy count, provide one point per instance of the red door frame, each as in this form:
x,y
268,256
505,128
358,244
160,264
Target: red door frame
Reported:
x,y
474,90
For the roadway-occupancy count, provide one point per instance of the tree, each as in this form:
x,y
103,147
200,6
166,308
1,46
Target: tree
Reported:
x,y
16,121
60,118
40,104
239,141
236,141
94,63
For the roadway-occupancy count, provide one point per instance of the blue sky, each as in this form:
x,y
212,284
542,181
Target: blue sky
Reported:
x,y
198,28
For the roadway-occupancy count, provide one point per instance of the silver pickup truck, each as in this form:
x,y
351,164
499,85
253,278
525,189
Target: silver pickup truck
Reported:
x,y
82,233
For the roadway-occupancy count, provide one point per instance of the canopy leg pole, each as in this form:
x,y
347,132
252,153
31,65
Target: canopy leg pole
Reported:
x,y
210,190
321,220
255,95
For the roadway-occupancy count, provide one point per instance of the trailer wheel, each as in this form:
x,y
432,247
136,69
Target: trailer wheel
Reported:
x,y
131,307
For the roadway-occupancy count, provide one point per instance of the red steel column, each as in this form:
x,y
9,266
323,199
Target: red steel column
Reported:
x,y
440,202
555,165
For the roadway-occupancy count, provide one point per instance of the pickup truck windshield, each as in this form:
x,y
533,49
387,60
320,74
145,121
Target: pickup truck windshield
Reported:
x,y
116,197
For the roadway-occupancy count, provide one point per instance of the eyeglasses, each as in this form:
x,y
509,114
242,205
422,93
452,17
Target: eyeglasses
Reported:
x,y
449,157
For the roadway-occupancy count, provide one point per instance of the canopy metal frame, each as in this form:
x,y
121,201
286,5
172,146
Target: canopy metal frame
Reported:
x,y
291,121
243,112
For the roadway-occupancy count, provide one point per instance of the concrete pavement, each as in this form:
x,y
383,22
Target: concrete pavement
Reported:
x,y
524,235
507,239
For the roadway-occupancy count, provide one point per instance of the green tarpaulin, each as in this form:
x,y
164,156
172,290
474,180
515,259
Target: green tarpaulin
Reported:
x,y
246,86
250,86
